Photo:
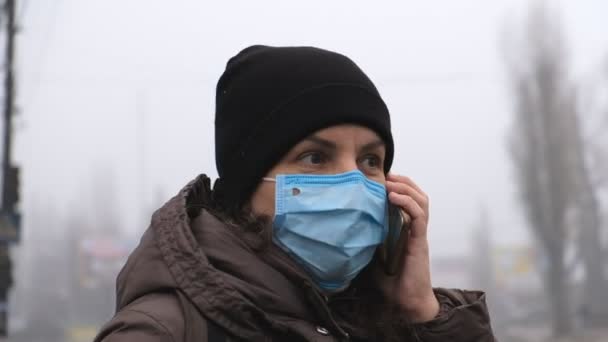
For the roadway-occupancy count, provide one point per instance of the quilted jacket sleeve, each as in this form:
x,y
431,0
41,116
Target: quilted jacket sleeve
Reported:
x,y
463,317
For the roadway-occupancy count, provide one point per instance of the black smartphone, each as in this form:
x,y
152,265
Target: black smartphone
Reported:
x,y
395,244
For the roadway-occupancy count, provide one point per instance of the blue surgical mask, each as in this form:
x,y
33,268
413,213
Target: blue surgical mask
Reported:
x,y
330,224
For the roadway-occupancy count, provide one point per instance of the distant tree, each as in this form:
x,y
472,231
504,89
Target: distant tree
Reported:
x,y
591,147
483,271
483,268
102,204
539,143
552,165
44,292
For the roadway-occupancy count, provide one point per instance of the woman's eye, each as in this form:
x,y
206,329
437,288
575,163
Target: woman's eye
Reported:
x,y
313,158
371,162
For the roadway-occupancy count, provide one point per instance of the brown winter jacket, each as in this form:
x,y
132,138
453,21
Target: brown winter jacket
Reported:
x,y
191,269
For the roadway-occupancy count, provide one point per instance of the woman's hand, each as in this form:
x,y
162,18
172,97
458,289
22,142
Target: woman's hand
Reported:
x,y
410,289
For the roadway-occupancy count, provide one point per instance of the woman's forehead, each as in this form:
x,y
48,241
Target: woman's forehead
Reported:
x,y
346,131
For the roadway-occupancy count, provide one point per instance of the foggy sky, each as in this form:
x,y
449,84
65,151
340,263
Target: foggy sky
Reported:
x,y
101,82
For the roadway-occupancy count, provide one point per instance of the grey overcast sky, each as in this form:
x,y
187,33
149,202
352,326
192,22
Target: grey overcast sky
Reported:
x,y
100,82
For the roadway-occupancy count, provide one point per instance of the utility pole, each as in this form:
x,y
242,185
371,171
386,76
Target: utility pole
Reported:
x,y
9,215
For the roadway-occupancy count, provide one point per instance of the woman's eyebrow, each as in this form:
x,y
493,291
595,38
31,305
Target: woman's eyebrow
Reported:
x,y
372,145
322,142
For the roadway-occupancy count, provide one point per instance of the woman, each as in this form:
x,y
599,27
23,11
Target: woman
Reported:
x,y
283,248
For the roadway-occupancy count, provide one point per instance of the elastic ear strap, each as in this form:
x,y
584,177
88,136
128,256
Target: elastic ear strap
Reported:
x,y
268,179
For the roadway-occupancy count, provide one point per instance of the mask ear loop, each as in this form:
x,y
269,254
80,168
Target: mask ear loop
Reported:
x,y
294,191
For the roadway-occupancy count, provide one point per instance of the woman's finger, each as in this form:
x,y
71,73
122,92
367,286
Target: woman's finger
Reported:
x,y
406,189
404,179
418,215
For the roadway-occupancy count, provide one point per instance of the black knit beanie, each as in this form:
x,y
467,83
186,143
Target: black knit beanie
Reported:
x,y
270,98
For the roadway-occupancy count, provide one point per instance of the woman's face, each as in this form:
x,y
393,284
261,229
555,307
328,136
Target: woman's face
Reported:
x,y
332,150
